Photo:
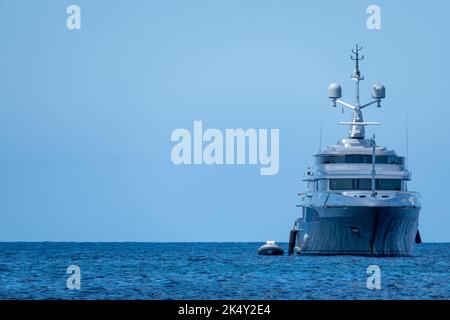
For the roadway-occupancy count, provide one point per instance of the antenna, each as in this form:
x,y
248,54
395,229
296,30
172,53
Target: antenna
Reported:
x,y
374,145
357,74
321,127
378,93
407,133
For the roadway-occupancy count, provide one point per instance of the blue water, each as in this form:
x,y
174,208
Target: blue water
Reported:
x,y
213,271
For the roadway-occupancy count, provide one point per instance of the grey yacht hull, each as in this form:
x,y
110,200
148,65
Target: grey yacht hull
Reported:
x,y
359,230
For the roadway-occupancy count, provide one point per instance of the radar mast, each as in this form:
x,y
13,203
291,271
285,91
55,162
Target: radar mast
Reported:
x,y
335,92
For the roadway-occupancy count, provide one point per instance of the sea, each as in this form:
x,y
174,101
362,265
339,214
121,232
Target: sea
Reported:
x,y
64,270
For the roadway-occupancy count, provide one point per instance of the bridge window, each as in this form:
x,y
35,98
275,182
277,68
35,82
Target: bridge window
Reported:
x,y
365,184
330,159
381,159
359,158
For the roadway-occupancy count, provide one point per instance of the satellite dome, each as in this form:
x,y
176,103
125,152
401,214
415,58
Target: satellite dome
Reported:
x,y
334,91
378,92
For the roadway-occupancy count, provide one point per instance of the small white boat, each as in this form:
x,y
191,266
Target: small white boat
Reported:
x,y
270,249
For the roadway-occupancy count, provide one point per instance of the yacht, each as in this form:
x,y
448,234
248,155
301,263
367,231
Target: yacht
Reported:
x,y
357,200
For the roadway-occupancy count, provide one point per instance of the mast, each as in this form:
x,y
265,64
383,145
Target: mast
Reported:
x,y
357,74
335,92
357,131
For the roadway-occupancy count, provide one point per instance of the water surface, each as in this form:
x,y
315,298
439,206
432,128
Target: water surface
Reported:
x,y
214,271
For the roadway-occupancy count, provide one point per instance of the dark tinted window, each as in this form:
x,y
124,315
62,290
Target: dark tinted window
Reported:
x,y
388,184
354,158
341,184
395,160
381,159
332,159
365,184
366,158
359,158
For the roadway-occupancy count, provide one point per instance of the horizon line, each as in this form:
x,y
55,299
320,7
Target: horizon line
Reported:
x,y
127,241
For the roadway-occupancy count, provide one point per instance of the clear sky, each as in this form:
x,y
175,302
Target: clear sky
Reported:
x,y
86,115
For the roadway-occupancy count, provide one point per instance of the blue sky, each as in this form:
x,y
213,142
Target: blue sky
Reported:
x,y
86,115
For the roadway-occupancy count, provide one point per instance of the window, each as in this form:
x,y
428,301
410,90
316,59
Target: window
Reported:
x,y
341,184
365,184
381,159
366,158
359,158
331,159
354,158
388,184
395,160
